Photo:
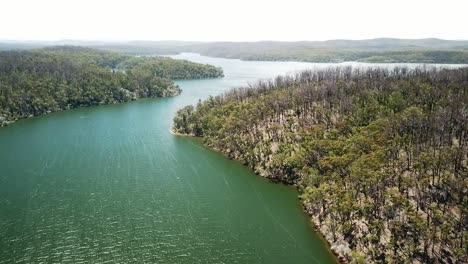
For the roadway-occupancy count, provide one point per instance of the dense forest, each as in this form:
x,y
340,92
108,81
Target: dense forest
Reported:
x,y
379,156
40,81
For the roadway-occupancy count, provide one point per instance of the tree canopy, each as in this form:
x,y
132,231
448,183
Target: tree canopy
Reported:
x,y
379,156
56,78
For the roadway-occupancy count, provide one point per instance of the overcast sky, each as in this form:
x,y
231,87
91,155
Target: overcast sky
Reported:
x,y
232,20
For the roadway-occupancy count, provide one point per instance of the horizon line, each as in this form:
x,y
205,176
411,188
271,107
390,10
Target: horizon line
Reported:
x,y
208,41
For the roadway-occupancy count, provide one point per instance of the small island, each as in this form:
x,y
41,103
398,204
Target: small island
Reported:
x,y
36,82
379,156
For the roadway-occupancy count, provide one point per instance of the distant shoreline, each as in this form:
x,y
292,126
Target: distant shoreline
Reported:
x,y
377,50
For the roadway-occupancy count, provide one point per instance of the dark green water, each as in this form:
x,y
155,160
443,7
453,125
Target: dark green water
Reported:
x,y
110,184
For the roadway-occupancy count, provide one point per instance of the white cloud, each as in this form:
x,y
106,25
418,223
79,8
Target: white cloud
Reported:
x,y
236,20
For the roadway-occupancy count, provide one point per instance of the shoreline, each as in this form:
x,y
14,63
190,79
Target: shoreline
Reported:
x,y
171,131
6,122
339,257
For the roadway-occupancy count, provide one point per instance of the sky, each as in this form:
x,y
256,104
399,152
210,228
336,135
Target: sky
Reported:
x,y
231,20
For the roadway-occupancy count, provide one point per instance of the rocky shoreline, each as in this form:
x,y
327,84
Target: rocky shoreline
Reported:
x,y
378,166
339,248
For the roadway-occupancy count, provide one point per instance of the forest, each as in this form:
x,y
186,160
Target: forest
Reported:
x,y
407,55
35,82
379,156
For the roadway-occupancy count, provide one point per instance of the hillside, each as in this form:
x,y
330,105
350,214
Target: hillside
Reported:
x,y
40,81
378,50
379,156
373,50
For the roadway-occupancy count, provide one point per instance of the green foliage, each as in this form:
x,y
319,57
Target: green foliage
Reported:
x,y
379,156
51,79
357,258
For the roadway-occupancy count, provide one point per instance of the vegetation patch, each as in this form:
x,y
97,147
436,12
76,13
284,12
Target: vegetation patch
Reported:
x,y
379,156
40,81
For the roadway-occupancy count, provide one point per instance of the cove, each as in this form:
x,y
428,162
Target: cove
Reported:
x,y
110,184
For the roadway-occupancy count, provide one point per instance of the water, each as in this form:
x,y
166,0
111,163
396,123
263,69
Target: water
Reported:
x,y
110,184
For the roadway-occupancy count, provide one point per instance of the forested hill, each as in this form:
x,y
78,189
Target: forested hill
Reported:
x,y
379,50
379,156
382,50
55,78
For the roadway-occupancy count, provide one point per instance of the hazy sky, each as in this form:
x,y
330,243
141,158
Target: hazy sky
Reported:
x,y
232,20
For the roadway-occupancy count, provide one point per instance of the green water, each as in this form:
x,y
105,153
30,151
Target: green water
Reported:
x,y
110,184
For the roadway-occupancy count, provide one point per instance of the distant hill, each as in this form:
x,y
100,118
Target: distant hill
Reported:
x,y
430,50
373,50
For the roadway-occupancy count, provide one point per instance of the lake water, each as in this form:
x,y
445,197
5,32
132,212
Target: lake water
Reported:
x,y
110,184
